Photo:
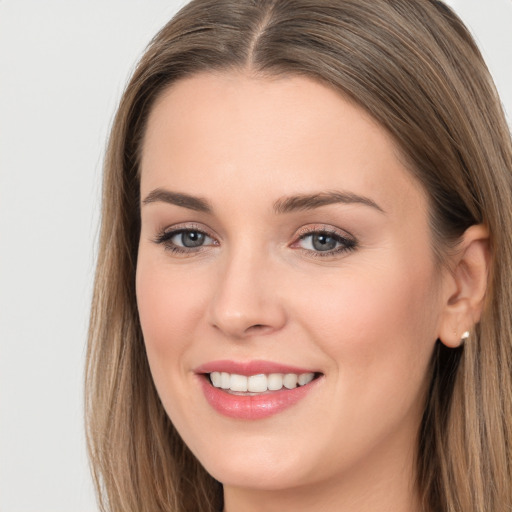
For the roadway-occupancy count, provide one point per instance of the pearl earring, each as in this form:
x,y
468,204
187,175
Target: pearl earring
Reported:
x,y
465,336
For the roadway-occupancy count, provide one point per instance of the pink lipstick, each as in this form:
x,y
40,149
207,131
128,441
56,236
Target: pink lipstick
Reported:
x,y
255,389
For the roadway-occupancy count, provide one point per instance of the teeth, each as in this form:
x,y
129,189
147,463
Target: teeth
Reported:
x,y
275,381
216,379
304,378
238,382
290,380
224,380
259,383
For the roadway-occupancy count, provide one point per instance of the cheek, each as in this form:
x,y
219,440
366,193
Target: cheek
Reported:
x,y
378,330
377,326
368,309
169,308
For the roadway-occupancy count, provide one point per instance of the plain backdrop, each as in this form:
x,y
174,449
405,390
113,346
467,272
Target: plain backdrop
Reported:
x,y
63,66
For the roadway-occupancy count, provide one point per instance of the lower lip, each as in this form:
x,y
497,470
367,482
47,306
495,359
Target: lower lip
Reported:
x,y
255,407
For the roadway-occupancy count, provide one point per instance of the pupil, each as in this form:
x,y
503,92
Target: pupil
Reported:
x,y
192,239
324,242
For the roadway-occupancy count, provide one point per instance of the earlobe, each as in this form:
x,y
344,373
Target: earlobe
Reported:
x,y
465,294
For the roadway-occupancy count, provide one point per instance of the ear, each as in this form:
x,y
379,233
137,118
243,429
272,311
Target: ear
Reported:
x,y
466,285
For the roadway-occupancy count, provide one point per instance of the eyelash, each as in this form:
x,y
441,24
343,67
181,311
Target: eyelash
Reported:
x,y
164,238
347,244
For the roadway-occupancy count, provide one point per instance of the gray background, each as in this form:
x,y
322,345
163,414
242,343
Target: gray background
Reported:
x,y
63,65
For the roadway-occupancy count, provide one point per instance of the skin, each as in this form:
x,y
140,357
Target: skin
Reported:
x,y
367,317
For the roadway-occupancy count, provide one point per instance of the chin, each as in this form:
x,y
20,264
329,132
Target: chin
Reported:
x,y
264,461
259,474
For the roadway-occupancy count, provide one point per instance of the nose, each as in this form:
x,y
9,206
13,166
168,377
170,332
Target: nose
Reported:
x,y
247,300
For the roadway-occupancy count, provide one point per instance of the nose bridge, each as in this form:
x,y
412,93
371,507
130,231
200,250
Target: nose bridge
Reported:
x,y
246,301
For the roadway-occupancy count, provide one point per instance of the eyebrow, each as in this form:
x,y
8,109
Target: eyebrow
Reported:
x,y
281,206
197,204
312,201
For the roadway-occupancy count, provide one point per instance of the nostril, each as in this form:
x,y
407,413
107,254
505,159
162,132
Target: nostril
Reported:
x,y
256,328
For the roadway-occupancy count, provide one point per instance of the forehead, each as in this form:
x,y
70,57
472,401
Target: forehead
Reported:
x,y
271,135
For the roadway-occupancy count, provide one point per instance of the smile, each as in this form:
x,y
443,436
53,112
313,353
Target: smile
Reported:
x,y
254,390
260,383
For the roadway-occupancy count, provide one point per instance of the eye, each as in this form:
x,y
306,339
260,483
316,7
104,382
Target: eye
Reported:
x,y
190,239
325,243
184,240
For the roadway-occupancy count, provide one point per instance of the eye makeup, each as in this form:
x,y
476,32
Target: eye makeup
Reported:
x,y
314,241
187,239
321,241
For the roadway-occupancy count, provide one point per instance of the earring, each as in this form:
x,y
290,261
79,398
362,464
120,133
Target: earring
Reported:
x,y
464,336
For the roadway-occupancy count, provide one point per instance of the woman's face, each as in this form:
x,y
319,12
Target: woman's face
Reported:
x,y
283,235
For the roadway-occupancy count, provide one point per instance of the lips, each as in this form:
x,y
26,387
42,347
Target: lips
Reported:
x,y
256,389
247,368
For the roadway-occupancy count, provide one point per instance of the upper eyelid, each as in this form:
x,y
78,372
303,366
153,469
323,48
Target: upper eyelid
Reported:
x,y
324,228
177,228
164,235
300,233
346,243
349,240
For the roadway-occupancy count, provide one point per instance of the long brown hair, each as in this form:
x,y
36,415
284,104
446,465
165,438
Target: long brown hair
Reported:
x,y
415,68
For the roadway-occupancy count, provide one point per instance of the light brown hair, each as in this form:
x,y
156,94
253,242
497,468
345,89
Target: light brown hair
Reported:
x,y
415,68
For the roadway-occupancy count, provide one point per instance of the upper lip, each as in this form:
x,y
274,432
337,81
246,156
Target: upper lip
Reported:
x,y
247,368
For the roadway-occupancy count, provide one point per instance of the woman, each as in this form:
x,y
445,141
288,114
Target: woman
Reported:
x,y
303,289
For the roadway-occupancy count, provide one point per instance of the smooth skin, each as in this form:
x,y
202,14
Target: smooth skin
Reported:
x,y
350,289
